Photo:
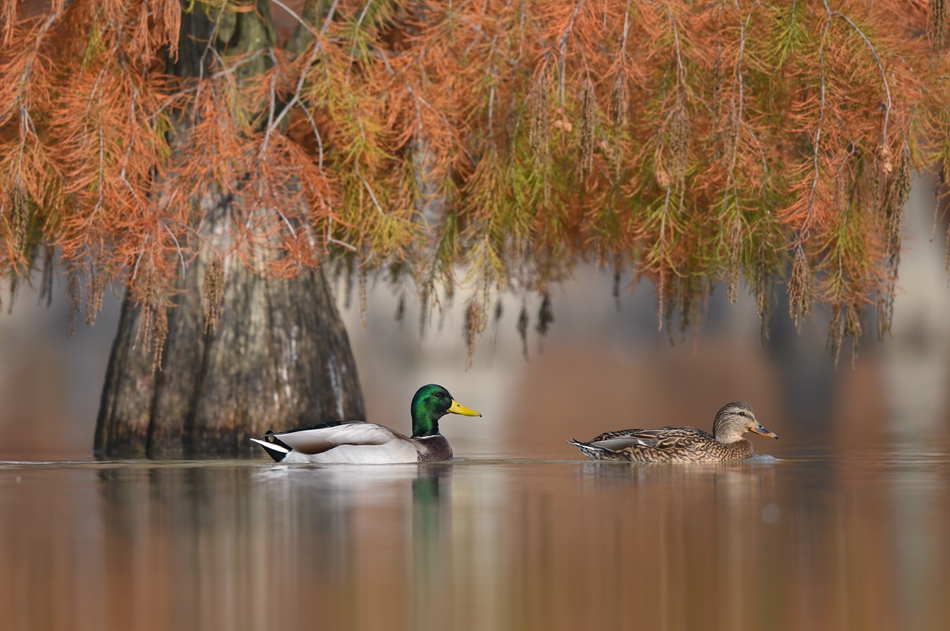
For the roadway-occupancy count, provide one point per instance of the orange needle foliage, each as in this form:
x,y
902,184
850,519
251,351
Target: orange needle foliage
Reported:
x,y
508,139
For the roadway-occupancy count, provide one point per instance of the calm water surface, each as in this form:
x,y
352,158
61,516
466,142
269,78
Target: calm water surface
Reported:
x,y
821,540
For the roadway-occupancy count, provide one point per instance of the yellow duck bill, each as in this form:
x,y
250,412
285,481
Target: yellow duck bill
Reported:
x,y
458,408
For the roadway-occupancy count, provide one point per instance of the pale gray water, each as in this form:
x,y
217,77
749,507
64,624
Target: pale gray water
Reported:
x,y
816,540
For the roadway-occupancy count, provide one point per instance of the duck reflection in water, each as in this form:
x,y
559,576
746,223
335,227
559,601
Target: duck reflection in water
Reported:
x,y
736,479
210,536
431,537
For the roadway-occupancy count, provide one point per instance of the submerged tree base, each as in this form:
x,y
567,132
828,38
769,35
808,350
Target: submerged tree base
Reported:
x,y
278,358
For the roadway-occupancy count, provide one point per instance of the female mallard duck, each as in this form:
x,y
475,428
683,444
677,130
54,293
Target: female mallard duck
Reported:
x,y
359,442
681,444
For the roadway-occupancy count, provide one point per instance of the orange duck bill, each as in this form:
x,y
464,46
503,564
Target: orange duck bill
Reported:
x,y
761,431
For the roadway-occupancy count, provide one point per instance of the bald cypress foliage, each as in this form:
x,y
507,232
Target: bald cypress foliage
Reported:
x,y
493,143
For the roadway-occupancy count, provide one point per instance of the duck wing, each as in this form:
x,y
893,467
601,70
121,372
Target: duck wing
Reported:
x,y
661,438
320,438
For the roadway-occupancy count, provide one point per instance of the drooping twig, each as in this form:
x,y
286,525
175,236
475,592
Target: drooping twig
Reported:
x,y
803,231
562,49
880,65
356,29
270,112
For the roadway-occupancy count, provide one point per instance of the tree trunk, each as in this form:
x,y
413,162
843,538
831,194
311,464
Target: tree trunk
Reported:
x,y
279,358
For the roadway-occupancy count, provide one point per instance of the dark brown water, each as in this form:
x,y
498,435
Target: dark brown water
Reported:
x,y
836,540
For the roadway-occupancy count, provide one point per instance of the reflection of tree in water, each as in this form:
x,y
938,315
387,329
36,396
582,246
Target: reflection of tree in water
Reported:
x,y
738,545
240,541
431,537
431,501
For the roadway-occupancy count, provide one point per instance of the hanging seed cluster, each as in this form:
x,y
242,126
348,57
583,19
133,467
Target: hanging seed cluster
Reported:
x,y
799,290
588,114
153,314
475,322
619,118
20,217
95,292
898,192
74,291
49,268
212,292
539,135
92,292
545,316
620,102
679,146
897,195
845,322
937,25
717,80
522,327
735,261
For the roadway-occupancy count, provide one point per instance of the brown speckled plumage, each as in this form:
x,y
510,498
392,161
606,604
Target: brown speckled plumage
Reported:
x,y
680,444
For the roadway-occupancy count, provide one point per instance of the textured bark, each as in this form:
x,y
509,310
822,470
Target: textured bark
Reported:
x,y
128,393
279,358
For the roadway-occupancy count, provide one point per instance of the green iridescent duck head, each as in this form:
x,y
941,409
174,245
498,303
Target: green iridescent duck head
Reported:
x,y
735,419
431,403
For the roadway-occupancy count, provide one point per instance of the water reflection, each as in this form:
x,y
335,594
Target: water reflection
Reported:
x,y
829,541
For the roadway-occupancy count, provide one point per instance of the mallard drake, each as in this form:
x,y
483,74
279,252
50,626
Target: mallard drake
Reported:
x,y
359,442
681,444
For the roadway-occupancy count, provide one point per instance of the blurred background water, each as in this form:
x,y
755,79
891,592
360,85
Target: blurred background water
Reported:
x,y
841,525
